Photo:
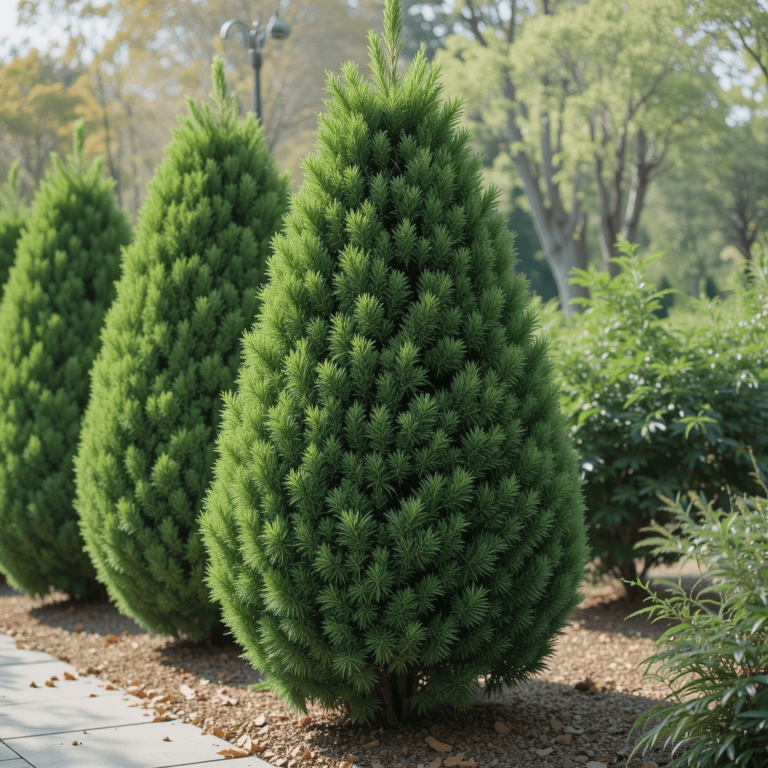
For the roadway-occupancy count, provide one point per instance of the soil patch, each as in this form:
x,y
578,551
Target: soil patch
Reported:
x,y
544,723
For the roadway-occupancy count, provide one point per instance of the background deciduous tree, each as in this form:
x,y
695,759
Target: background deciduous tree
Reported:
x,y
586,112
736,181
131,81
712,206
740,25
37,111
586,99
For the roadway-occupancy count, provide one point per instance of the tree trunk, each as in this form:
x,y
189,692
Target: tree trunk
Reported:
x,y
396,691
605,219
114,168
562,237
561,233
607,239
134,165
739,216
564,256
744,245
387,696
642,167
694,282
613,223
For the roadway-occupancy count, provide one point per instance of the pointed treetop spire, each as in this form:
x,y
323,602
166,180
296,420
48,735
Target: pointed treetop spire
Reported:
x,y
78,139
393,37
222,98
218,78
226,108
76,162
384,58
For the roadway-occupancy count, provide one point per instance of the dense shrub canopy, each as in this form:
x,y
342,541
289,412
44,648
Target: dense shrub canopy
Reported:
x,y
171,343
657,409
59,288
396,507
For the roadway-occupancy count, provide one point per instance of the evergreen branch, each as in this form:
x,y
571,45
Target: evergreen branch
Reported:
x,y
393,37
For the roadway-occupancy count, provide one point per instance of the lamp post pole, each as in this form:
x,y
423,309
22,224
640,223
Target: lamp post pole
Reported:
x,y
253,40
257,40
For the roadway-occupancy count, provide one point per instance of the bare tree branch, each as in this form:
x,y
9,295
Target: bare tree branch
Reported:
x,y
474,24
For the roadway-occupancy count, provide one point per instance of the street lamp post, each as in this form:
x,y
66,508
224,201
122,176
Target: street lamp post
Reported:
x,y
253,40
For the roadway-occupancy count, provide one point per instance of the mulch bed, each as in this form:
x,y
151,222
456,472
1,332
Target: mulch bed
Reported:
x,y
544,723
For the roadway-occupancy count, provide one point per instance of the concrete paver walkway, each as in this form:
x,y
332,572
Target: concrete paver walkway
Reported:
x,y
40,725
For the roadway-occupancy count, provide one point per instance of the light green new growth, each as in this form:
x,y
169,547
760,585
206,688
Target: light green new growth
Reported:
x,y
59,288
170,345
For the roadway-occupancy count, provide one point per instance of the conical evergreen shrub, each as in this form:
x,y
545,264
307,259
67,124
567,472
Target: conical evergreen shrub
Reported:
x,y
171,343
396,507
60,285
13,218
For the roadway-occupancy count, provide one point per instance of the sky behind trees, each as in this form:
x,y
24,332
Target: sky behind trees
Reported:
x,y
13,35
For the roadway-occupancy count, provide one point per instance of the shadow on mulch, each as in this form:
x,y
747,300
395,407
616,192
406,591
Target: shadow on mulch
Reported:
x,y
216,663
5,588
606,608
213,661
6,591
95,617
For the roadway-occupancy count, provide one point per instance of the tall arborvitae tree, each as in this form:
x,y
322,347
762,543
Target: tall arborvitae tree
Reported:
x,y
171,343
59,288
13,218
397,508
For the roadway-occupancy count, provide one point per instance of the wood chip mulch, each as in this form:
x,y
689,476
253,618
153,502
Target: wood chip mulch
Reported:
x,y
545,723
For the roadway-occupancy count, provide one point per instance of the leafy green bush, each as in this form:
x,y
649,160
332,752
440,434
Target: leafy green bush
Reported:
x,y
397,508
13,217
716,652
170,345
659,410
60,286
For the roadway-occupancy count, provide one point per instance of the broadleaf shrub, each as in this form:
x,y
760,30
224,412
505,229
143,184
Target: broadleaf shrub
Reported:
x,y
60,286
715,653
396,507
170,345
657,409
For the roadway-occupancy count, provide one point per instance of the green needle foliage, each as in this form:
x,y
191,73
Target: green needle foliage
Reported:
x,y
59,288
171,343
13,217
396,508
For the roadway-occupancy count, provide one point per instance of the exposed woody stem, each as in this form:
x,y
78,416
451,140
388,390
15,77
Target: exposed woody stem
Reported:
x,y
396,691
